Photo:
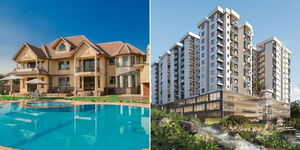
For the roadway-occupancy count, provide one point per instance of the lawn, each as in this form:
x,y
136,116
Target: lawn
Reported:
x,y
110,98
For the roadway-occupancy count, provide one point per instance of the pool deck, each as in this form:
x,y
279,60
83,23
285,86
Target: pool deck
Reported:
x,y
6,148
83,103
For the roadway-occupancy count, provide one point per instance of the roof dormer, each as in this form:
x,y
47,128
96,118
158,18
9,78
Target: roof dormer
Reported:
x,y
62,45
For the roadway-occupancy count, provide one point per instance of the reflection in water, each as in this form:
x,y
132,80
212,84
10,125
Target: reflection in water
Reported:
x,y
79,127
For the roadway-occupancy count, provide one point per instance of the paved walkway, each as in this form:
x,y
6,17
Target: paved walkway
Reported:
x,y
6,148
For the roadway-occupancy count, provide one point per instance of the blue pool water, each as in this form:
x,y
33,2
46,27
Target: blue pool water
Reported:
x,y
47,103
84,127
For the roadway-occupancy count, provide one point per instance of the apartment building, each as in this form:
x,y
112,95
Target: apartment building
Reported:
x,y
76,66
216,73
273,68
174,75
225,53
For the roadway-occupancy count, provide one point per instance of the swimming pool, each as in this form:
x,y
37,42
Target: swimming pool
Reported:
x,y
83,127
46,104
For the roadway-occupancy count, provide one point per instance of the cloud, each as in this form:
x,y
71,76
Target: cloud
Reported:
x,y
295,94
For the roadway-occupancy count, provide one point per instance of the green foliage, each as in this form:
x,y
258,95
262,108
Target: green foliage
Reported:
x,y
258,87
13,98
273,141
295,109
172,135
210,121
254,125
235,121
293,122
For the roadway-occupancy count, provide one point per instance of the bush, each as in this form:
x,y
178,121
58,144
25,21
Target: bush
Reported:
x,y
235,121
210,121
172,136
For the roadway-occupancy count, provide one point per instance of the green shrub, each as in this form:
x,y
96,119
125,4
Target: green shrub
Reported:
x,y
235,121
210,121
254,125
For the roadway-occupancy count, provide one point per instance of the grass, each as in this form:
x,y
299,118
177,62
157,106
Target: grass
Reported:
x,y
110,98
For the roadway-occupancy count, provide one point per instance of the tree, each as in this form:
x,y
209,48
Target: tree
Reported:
x,y
258,87
295,109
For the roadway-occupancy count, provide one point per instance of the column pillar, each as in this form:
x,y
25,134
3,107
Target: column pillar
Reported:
x,y
129,81
74,82
96,75
121,81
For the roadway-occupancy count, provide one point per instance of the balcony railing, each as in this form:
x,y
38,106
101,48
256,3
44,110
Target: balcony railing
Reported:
x,y
86,69
235,31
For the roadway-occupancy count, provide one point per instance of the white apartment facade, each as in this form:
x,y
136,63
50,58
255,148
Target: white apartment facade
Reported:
x,y
220,58
273,68
225,53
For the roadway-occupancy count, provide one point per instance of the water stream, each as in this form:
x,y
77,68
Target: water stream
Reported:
x,y
225,139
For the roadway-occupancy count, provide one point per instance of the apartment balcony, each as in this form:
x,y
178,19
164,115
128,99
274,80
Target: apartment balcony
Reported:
x,y
234,53
247,60
247,80
233,22
248,87
247,40
234,31
219,74
234,38
234,45
26,71
234,84
233,68
220,59
234,76
248,73
220,28
220,51
248,47
219,43
247,33
220,67
220,36
219,20
234,61
247,67
219,82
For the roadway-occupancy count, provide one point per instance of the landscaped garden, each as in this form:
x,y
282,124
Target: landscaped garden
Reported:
x,y
168,132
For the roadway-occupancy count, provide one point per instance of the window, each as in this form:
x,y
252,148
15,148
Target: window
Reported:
x,y
62,47
212,34
42,86
202,41
212,26
125,61
202,48
31,65
202,55
212,49
112,80
212,57
132,61
80,84
118,81
117,62
64,81
133,80
112,61
63,65
202,27
212,42
125,81
202,62
202,33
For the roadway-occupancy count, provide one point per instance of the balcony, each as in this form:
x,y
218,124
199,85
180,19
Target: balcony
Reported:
x,y
234,45
234,53
219,43
247,39
234,83
233,68
219,74
247,32
220,67
220,59
234,30
219,82
86,69
247,60
248,53
220,36
234,38
248,73
233,22
234,76
220,51
248,47
220,28
219,20
247,67
234,61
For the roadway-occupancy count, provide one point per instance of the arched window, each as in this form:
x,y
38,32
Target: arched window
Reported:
x,y
62,47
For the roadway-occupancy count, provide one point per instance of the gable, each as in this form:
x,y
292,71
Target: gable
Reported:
x,y
68,46
85,50
25,54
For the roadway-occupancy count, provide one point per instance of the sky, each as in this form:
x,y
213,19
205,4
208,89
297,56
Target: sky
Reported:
x,y
171,19
40,22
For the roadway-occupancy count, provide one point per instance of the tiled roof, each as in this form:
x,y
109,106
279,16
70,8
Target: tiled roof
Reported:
x,y
109,49
119,48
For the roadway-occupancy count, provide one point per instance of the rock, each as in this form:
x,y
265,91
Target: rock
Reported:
x,y
164,122
190,126
237,136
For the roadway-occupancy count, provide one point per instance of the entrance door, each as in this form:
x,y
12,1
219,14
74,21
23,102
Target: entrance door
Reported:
x,y
89,83
31,87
